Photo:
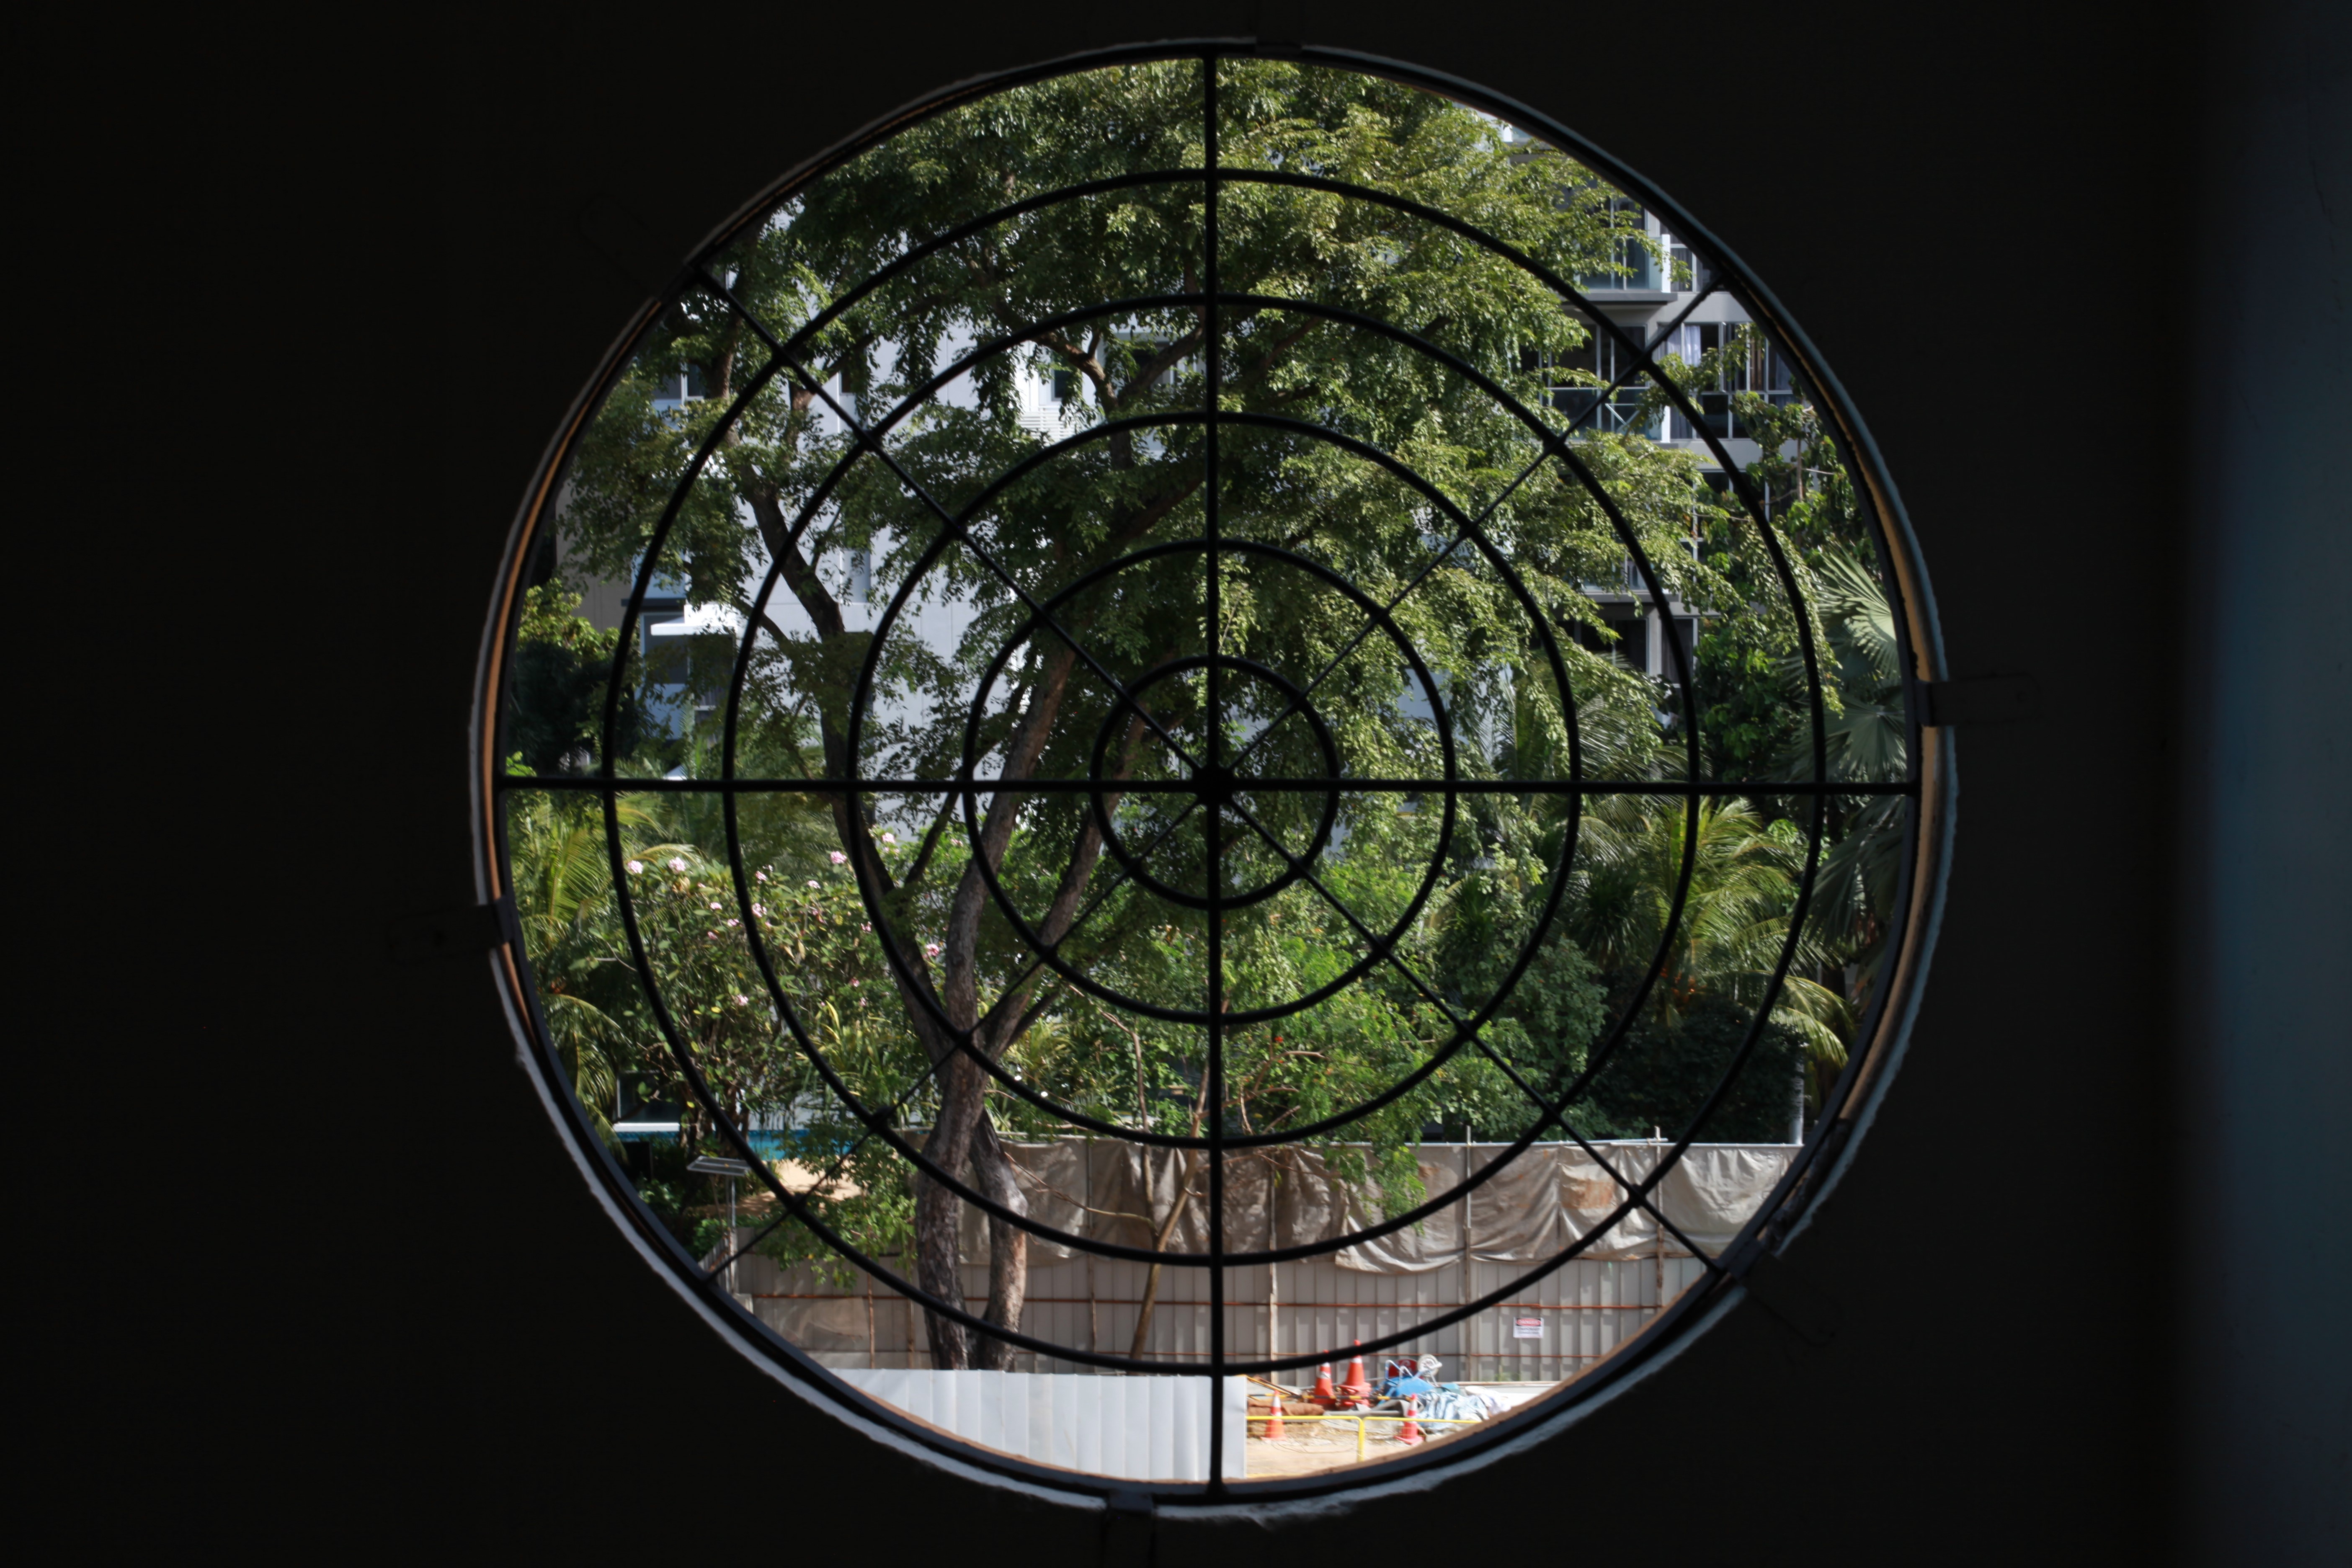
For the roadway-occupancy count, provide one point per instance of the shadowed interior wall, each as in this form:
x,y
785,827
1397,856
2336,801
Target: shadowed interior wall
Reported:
x,y
2266,1433
1940,206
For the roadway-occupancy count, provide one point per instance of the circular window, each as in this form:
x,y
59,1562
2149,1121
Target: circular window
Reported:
x,y
1205,769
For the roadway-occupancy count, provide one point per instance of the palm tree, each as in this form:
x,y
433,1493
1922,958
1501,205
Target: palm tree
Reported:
x,y
564,902
1735,920
1867,741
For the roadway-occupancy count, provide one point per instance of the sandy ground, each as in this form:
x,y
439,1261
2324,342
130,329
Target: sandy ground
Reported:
x,y
1312,1455
1306,1451
1311,1449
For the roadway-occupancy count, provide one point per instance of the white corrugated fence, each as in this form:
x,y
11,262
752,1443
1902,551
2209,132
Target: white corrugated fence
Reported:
x,y
1145,1428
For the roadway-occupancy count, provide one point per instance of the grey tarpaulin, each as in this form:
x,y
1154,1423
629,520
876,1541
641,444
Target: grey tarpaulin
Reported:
x,y
1549,1196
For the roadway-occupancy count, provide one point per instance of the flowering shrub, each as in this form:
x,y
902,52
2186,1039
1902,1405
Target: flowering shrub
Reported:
x,y
691,923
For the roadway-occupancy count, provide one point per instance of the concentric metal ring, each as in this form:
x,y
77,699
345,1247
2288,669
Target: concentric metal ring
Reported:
x,y
1215,788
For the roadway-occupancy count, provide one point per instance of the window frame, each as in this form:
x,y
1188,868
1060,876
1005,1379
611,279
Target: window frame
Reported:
x,y
1846,1108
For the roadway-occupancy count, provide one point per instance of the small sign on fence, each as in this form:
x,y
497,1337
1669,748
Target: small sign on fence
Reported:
x,y
1527,1328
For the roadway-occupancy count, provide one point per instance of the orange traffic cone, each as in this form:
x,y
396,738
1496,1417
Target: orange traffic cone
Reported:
x,y
1356,1387
1323,1393
1412,1432
1273,1419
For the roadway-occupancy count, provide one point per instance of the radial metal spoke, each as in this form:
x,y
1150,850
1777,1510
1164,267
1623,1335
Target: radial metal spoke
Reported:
x,y
1646,359
1379,944
1556,1116
1038,612
870,440
1216,787
1119,878
841,1161
1371,623
1214,1091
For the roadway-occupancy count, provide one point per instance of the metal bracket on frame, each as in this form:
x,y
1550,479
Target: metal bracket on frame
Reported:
x,y
458,932
1782,1291
1989,700
1131,1532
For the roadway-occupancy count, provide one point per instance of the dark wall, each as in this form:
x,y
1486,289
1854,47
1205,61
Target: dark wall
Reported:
x,y
1981,221
2266,1433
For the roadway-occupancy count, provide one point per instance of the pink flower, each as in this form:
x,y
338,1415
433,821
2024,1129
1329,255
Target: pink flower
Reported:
x,y
839,859
677,864
812,882
714,906
889,838
635,867
760,910
762,874
734,923
741,1000
863,927
930,950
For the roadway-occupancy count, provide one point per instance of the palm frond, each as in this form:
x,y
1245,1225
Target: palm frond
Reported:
x,y
1822,1017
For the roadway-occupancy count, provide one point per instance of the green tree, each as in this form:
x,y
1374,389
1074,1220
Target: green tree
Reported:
x,y
1867,742
563,664
1118,684
1735,917
564,902
1749,665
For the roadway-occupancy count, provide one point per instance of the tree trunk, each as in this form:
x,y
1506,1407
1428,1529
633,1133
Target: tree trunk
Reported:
x,y
1191,1164
961,1136
938,1212
1008,1243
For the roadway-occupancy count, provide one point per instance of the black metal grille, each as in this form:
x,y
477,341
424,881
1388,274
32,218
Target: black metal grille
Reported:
x,y
1208,790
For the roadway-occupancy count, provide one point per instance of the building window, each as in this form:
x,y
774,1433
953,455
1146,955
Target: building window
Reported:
x,y
1598,384
1013,899
673,388
1629,257
1686,273
1730,358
